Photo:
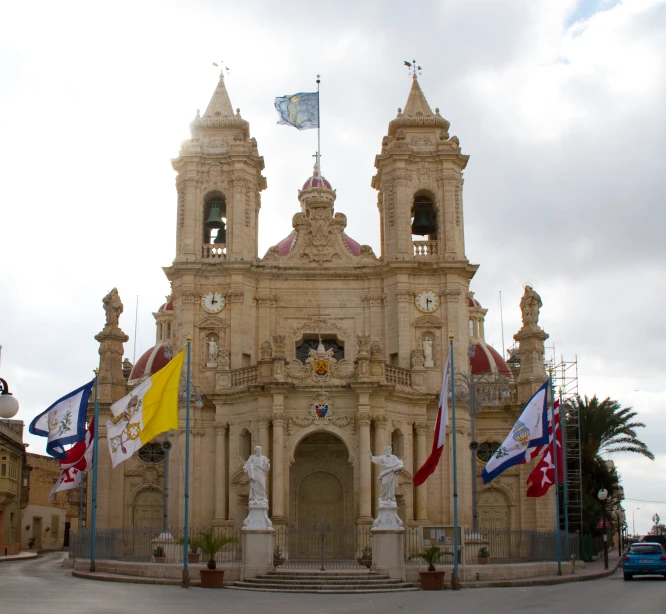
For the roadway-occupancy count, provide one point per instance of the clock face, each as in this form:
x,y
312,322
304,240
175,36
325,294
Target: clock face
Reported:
x,y
427,301
212,302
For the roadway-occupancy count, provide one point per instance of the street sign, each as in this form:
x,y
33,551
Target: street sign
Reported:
x,y
600,524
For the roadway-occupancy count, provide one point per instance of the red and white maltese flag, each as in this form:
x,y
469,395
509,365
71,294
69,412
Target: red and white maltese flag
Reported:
x,y
440,430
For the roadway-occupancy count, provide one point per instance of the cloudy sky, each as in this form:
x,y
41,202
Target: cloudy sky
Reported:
x,y
560,103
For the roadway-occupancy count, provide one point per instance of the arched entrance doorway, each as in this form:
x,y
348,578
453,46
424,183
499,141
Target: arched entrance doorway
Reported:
x,y
494,510
321,497
148,509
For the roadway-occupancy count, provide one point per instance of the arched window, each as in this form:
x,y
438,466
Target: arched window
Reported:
x,y
245,444
424,217
486,450
471,328
397,443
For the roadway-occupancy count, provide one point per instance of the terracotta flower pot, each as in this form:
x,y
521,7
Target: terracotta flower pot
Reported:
x,y
160,559
365,562
432,580
212,578
193,557
277,561
482,561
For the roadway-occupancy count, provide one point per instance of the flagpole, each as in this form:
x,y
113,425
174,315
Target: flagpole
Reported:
x,y
563,428
318,128
557,489
186,573
455,585
93,524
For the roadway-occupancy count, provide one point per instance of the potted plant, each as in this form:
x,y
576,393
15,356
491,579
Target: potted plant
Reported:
x,y
278,559
193,556
431,580
210,544
366,557
484,556
31,542
159,555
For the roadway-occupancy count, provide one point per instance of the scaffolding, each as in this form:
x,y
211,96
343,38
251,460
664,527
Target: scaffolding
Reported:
x,y
565,382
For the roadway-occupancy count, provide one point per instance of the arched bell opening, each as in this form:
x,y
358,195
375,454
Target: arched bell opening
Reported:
x,y
215,220
424,218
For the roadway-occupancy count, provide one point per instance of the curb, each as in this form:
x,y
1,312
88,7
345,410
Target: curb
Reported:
x,y
5,559
544,581
95,575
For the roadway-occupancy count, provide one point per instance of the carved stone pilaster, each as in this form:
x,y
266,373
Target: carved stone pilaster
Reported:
x,y
421,428
279,343
364,419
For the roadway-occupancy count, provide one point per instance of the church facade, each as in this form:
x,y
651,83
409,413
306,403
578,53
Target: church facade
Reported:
x,y
320,350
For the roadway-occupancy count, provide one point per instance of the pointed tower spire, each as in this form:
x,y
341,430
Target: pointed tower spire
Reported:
x,y
219,105
416,102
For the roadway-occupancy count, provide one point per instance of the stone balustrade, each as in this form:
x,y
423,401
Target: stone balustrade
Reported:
x,y
246,376
425,249
398,376
213,252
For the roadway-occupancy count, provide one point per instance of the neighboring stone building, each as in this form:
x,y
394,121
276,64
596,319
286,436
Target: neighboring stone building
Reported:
x,y
48,523
321,350
14,484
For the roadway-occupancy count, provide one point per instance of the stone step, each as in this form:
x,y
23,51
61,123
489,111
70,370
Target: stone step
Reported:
x,y
326,576
303,582
322,588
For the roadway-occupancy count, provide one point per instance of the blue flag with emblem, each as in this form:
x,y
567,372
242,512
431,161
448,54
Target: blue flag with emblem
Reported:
x,y
64,422
299,110
529,431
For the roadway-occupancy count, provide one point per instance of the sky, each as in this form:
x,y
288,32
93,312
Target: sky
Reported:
x,y
561,105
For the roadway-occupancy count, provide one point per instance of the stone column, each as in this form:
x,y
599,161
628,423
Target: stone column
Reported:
x,y
404,297
264,423
277,467
421,493
365,488
220,472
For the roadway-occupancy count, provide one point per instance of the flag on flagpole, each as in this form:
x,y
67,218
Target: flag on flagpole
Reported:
x,y
78,460
529,431
64,422
440,430
299,110
543,475
150,409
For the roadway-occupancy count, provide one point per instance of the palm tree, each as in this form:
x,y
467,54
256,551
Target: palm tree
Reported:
x,y
605,427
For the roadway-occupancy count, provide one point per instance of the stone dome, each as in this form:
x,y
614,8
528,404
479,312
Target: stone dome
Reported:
x,y
168,306
285,245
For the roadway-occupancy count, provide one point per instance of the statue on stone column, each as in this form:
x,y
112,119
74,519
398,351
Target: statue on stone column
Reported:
x,y
530,305
257,467
390,464
212,349
113,307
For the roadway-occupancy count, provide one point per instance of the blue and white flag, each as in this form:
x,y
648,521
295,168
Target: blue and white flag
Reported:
x,y
64,422
299,110
529,431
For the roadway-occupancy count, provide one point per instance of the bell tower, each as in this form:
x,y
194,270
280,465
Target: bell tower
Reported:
x,y
419,179
219,184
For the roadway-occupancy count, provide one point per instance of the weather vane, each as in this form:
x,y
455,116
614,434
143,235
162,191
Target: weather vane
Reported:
x,y
412,68
226,68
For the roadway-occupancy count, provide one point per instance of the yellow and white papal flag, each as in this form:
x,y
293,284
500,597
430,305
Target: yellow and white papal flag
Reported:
x,y
150,409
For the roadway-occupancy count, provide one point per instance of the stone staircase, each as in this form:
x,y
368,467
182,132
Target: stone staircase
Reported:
x,y
292,581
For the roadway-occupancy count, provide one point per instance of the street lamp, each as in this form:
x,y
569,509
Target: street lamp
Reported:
x,y
483,389
603,495
9,406
633,521
656,520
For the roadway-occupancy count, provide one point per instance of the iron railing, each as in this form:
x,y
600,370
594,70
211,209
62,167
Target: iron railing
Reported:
x,y
140,544
321,546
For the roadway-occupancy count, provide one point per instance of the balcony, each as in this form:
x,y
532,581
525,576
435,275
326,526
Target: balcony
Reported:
x,y
8,487
398,376
245,376
213,252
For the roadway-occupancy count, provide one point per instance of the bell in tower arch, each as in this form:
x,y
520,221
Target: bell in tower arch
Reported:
x,y
424,217
214,217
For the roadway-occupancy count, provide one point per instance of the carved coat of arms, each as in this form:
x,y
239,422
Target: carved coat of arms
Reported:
x,y
321,408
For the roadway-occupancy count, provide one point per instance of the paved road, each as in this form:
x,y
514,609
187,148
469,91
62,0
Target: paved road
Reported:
x,y
43,586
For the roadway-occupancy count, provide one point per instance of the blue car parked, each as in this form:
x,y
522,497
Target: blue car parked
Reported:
x,y
643,559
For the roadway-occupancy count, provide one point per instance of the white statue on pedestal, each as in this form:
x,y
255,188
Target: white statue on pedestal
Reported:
x,y
256,468
212,350
391,464
427,352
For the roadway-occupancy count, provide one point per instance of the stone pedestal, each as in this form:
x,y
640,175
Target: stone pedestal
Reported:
x,y
211,365
257,517
388,540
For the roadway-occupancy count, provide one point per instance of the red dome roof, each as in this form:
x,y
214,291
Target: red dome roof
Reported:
x,y
317,181
166,306
487,360
472,302
286,245
149,363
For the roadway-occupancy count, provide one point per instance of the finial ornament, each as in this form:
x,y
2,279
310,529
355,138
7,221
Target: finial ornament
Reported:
x,y
222,70
188,338
412,68
451,337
